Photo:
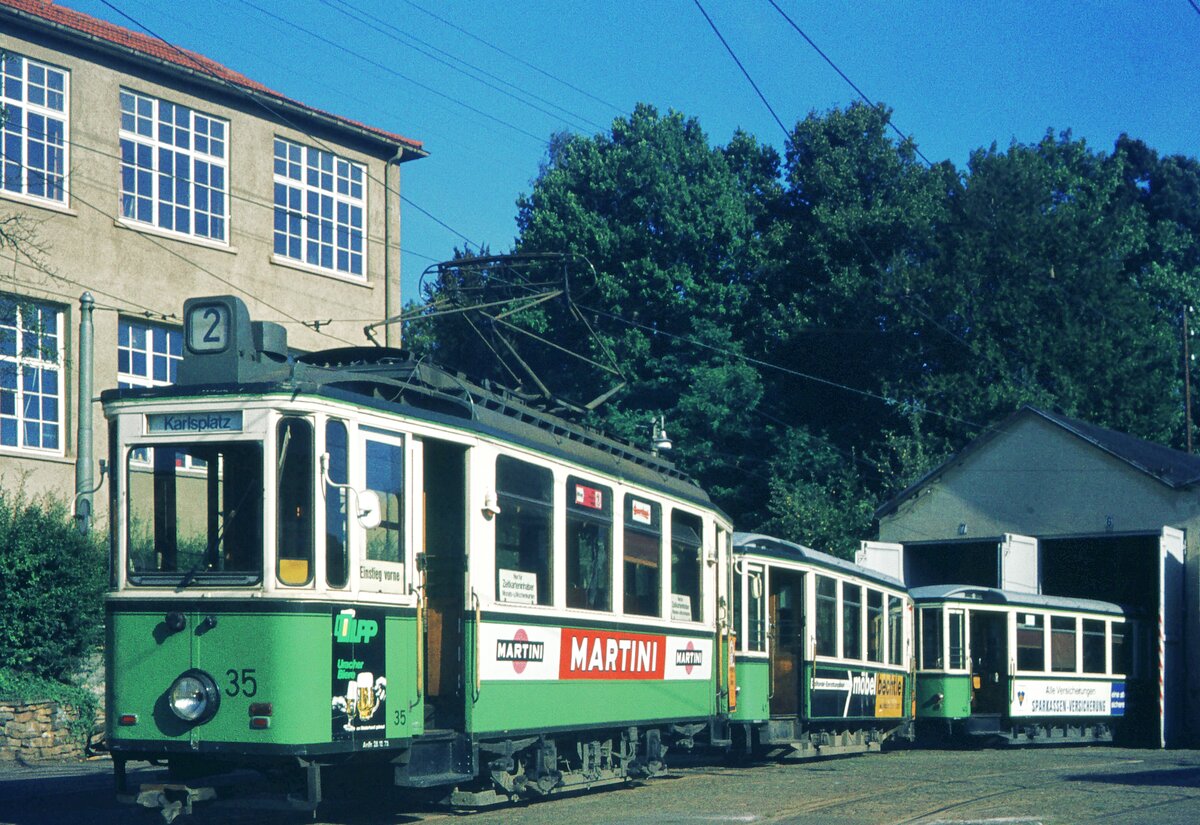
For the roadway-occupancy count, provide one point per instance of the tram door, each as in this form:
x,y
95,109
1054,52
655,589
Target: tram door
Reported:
x,y
787,640
445,548
989,661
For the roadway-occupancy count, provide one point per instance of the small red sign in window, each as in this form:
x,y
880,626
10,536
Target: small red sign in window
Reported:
x,y
589,497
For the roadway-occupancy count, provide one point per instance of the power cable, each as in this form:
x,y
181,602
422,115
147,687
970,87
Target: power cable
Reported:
x,y
379,24
517,58
891,402
844,77
384,67
786,134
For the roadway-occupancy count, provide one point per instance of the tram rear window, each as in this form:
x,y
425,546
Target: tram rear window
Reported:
x,y
195,514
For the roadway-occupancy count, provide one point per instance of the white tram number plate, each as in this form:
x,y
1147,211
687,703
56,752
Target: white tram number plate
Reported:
x,y
208,328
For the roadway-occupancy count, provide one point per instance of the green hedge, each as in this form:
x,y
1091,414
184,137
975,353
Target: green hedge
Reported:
x,y
52,582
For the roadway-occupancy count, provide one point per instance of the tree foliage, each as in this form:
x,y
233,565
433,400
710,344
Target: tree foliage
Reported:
x,y
821,328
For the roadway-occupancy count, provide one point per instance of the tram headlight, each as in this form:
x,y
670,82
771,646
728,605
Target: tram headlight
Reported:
x,y
194,697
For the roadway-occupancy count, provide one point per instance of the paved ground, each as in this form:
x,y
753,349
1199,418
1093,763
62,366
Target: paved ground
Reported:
x,y
1051,786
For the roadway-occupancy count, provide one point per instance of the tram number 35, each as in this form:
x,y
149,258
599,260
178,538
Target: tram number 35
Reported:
x,y
241,682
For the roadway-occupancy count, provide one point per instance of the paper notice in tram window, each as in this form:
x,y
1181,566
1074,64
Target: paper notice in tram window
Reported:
x,y
681,607
517,587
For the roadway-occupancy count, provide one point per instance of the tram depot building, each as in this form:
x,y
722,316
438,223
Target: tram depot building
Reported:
x,y
149,174
1046,504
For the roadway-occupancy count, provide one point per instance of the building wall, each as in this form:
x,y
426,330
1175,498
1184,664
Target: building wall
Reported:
x,y
144,274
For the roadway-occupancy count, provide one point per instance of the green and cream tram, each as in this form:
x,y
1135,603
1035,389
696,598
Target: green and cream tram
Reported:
x,y
353,562
1021,667
824,652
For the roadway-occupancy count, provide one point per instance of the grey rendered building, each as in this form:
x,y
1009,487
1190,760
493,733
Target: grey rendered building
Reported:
x,y
148,174
1044,503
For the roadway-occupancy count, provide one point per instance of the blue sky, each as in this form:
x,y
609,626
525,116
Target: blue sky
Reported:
x,y
958,75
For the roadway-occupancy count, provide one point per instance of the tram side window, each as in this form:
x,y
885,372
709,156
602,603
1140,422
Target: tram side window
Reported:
x,y
827,630
874,626
686,567
294,471
196,511
957,622
1062,644
895,619
385,475
757,620
524,532
589,545
1122,649
336,521
1093,646
1031,642
643,557
931,638
851,621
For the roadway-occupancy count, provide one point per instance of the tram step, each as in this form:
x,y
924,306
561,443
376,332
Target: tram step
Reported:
x,y
438,758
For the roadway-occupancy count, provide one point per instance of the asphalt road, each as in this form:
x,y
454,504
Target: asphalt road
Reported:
x,y
1050,786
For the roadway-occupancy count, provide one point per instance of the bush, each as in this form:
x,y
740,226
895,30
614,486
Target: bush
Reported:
x,y
52,582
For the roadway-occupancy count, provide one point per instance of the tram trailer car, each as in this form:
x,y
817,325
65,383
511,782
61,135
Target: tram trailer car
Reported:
x,y
352,563
824,652
1021,668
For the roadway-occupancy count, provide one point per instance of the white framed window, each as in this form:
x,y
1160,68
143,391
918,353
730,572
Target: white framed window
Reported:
x,y
174,167
33,128
148,355
31,375
320,209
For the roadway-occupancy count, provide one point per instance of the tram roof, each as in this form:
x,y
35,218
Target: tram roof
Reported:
x,y
392,380
995,596
777,548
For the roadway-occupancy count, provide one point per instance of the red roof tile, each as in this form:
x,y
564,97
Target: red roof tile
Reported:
x,y
156,49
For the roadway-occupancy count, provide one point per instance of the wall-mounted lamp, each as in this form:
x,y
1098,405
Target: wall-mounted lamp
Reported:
x,y
491,505
962,528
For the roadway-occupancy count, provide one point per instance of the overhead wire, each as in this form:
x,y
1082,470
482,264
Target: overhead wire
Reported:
x,y
888,400
787,135
385,68
516,58
846,78
399,35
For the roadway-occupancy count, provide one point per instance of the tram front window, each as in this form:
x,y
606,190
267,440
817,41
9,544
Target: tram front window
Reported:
x,y
195,514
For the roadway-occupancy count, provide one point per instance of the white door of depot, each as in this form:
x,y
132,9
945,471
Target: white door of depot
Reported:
x,y
882,557
1019,564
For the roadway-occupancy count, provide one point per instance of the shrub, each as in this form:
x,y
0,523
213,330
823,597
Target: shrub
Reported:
x,y
52,582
